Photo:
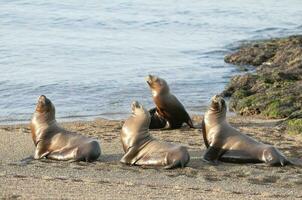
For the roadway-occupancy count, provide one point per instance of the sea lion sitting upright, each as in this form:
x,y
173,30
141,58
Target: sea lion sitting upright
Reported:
x,y
168,108
225,143
54,142
142,149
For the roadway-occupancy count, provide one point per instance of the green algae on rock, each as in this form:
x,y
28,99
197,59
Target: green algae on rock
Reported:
x,y
274,90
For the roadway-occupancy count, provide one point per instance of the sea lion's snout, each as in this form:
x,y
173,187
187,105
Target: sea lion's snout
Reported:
x,y
43,100
217,102
43,104
149,79
217,98
135,105
42,97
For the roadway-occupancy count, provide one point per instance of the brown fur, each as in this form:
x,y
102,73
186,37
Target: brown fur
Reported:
x,y
167,105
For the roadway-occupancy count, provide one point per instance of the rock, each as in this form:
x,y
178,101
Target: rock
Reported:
x,y
275,89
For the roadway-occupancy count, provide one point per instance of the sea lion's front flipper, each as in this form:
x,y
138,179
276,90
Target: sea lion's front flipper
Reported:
x,y
156,120
129,156
212,155
41,150
204,133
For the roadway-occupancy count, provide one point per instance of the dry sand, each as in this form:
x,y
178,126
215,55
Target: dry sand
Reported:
x,y
108,179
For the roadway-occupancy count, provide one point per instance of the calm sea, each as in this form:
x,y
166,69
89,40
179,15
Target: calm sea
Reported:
x,y
90,57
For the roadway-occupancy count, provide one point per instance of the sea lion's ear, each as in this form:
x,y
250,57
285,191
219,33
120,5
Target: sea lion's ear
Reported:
x,y
223,102
161,82
219,105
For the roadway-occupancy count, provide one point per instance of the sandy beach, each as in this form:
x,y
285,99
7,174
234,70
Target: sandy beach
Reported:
x,y
109,179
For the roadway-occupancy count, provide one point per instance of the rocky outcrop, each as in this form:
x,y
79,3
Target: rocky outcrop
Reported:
x,y
274,90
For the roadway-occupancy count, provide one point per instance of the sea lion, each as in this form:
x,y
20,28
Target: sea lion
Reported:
x,y
226,143
56,143
169,111
142,149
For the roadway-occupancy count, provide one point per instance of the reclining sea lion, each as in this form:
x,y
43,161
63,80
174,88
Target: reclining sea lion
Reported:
x,y
226,143
142,149
54,142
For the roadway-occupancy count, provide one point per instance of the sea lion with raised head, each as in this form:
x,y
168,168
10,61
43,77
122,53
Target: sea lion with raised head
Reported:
x,y
226,143
56,143
169,111
142,149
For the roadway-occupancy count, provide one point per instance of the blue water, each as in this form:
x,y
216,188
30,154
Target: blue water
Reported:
x,y
90,57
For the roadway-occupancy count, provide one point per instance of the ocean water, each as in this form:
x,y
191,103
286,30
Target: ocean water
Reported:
x,y
90,57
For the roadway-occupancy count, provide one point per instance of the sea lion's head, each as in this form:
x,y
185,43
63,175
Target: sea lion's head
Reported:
x,y
138,110
157,85
44,105
218,104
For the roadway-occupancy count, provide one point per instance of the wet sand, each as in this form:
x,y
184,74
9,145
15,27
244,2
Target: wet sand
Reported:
x,y
109,179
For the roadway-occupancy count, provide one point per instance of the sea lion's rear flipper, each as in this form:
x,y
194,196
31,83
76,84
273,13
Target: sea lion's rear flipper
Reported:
x,y
67,154
273,157
239,156
27,160
189,122
294,161
188,119
174,165
156,120
286,161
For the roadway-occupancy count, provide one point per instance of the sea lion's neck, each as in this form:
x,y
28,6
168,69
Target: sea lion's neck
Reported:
x,y
137,131
159,98
143,123
42,119
39,123
154,93
213,117
162,92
